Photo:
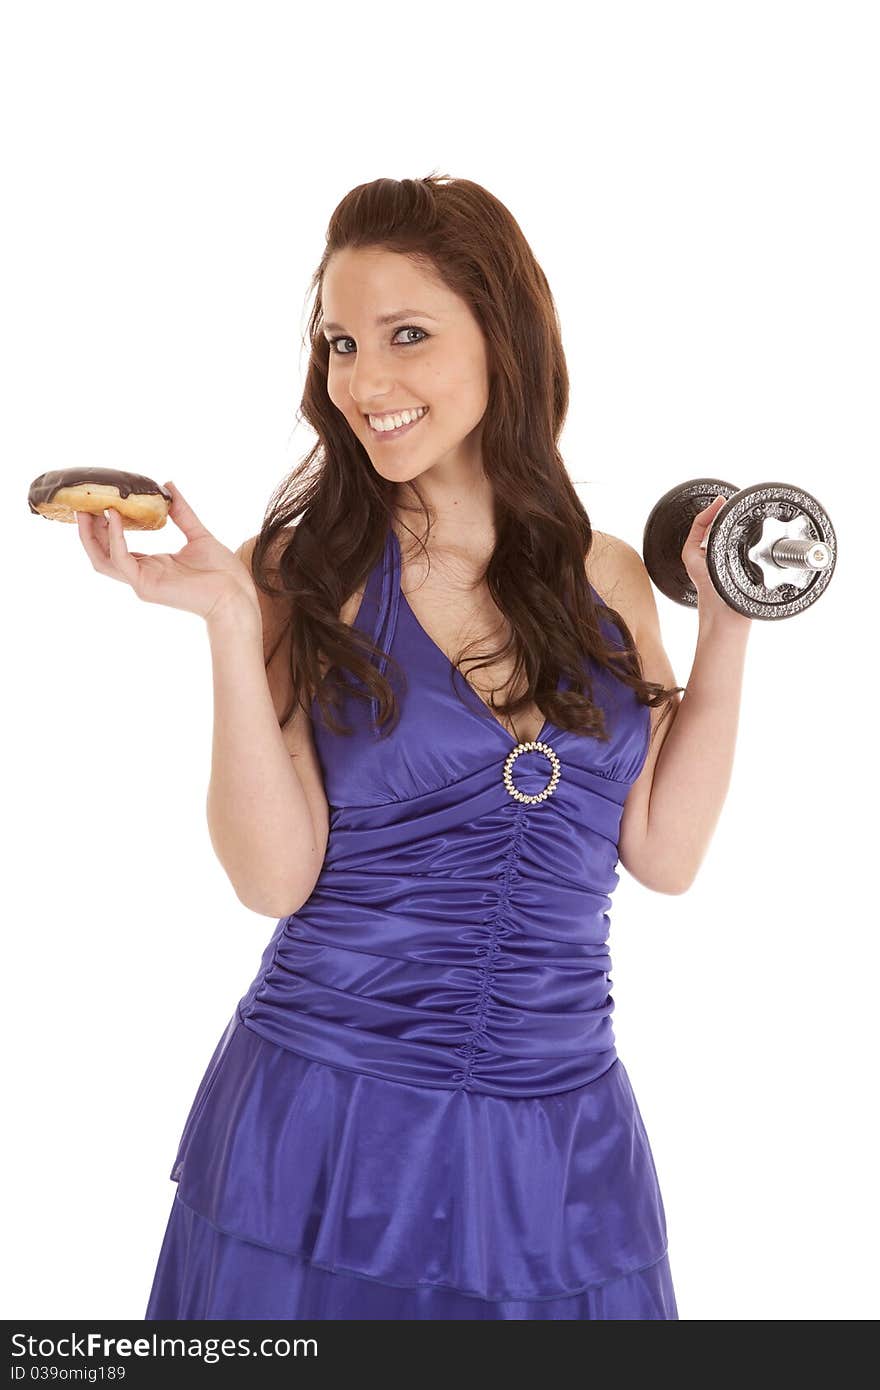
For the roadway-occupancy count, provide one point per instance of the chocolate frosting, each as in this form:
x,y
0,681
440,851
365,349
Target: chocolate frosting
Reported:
x,y
44,488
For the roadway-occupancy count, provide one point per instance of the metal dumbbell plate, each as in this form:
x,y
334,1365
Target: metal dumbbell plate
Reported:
x,y
666,531
739,553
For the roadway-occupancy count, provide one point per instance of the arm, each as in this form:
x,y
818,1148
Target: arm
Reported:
x,y
267,812
673,808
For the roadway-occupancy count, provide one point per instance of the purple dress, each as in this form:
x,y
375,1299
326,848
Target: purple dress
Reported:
x,y
417,1109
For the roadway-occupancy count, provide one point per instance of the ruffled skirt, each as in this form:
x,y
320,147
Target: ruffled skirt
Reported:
x,y
308,1191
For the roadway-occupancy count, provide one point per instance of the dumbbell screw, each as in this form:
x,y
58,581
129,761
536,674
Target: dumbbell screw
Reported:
x,y
801,554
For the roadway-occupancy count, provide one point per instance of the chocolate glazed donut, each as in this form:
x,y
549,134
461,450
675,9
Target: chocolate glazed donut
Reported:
x,y
141,502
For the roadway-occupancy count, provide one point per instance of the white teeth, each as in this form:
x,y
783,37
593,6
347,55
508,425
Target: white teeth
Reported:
x,y
394,422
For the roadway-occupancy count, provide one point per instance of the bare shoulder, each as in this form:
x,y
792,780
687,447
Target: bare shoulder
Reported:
x,y
617,572
275,610
613,569
297,731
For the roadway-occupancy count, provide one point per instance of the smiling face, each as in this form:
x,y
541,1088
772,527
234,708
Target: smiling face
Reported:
x,y
432,355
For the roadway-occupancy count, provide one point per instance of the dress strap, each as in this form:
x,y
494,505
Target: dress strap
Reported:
x,y
385,624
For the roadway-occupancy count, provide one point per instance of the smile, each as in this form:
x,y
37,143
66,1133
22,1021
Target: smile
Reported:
x,y
398,433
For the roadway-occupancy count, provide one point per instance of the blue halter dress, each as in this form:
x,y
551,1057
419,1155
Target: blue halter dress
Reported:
x,y
417,1109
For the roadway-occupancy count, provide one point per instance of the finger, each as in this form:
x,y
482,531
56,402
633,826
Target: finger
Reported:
x,y
182,515
703,520
119,556
97,544
698,536
93,532
712,512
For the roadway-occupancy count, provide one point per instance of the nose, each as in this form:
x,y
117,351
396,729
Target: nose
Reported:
x,y
370,384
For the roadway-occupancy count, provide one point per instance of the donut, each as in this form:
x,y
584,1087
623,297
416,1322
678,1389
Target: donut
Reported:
x,y
59,495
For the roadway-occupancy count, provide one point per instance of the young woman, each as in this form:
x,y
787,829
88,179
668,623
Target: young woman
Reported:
x,y
417,1109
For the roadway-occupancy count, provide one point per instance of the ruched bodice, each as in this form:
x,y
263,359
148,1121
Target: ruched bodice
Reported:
x,y
421,1084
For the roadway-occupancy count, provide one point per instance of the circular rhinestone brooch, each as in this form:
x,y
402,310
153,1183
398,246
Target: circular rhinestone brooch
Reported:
x,y
508,771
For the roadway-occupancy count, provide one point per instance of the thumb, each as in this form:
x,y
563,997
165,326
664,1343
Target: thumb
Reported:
x,y
703,520
183,515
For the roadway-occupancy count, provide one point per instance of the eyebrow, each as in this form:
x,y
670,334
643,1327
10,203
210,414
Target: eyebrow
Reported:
x,y
387,318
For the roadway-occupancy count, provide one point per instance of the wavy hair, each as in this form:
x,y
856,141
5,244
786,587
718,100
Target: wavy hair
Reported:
x,y
326,524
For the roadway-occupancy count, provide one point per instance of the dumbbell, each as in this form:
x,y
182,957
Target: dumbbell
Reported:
x,y
770,550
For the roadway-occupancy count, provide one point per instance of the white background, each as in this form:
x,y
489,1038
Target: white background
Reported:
x,y
699,182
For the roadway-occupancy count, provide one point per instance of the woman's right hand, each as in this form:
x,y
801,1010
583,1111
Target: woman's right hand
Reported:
x,y
200,578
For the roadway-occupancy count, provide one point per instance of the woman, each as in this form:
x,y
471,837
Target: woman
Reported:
x,y
417,1109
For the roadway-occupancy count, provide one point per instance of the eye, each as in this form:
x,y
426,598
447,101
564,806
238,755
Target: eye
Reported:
x,y
406,328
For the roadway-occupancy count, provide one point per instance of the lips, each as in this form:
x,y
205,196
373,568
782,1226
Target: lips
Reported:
x,y
398,433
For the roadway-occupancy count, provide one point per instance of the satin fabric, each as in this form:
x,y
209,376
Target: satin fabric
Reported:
x,y
417,1108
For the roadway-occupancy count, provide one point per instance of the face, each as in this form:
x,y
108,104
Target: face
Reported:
x,y
431,358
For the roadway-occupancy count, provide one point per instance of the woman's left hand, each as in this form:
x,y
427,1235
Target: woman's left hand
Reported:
x,y
711,606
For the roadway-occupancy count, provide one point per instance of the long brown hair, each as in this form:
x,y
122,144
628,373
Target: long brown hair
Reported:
x,y
335,510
